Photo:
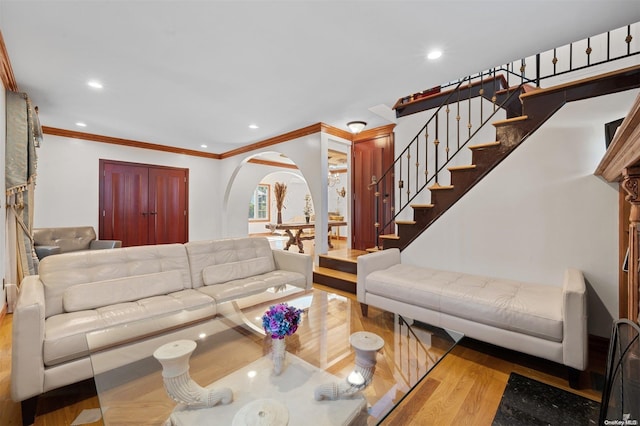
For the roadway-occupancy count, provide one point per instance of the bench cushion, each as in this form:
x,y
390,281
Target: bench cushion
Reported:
x,y
65,340
533,309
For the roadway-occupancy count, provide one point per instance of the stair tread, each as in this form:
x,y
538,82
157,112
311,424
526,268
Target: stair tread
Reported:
x,y
422,206
338,258
389,237
437,187
510,120
484,145
346,276
465,167
405,222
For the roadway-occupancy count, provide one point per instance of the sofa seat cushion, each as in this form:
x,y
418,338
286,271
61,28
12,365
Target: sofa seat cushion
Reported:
x,y
533,309
252,285
65,340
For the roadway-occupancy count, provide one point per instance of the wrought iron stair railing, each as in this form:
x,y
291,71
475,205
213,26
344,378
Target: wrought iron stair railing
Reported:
x,y
476,100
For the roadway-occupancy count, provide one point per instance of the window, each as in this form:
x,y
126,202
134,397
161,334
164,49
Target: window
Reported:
x,y
259,205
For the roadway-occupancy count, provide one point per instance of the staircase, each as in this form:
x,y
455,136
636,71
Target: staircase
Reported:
x,y
534,107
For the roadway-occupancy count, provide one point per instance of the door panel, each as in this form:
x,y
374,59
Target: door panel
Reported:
x,y
143,204
167,223
125,204
371,157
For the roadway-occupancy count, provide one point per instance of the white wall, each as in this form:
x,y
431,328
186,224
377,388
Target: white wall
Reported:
x,y
67,184
309,153
540,211
297,188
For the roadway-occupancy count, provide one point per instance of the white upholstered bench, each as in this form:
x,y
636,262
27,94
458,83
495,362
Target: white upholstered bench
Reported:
x,y
542,320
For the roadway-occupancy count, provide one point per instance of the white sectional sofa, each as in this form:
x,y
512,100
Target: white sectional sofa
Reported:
x,y
79,292
542,320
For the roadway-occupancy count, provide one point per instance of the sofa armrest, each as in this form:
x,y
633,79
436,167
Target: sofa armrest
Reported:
x,y
27,369
104,244
295,262
371,262
574,311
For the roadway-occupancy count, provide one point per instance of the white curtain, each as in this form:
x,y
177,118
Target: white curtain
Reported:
x,y
23,136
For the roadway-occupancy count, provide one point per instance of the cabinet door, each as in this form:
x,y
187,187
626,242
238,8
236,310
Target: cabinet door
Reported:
x,y
124,203
167,205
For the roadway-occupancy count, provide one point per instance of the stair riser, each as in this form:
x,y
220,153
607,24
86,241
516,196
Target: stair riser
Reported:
x,y
408,231
485,157
338,264
463,178
333,282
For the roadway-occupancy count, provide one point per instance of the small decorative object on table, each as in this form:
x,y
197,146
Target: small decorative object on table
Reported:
x,y
280,190
279,321
174,357
366,346
308,207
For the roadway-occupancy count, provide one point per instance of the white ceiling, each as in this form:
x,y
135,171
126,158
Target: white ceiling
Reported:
x,y
186,73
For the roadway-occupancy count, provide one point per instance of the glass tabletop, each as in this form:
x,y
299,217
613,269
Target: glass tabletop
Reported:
x,y
233,352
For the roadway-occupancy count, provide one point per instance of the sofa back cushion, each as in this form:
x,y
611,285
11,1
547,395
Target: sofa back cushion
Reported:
x,y
93,295
60,272
68,239
225,272
228,259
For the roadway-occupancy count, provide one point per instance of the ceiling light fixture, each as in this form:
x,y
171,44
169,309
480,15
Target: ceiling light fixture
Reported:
x,y
81,124
203,146
95,84
434,54
356,126
253,126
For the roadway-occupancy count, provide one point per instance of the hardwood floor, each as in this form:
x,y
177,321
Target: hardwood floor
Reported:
x,y
464,388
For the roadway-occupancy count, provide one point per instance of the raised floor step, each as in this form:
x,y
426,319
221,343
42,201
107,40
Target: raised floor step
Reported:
x,y
343,281
338,263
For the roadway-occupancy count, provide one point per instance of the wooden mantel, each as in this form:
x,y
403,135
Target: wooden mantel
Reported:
x,y
621,163
624,150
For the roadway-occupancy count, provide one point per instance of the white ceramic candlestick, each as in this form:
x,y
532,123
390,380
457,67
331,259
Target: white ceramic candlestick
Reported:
x,y
366,345
174,358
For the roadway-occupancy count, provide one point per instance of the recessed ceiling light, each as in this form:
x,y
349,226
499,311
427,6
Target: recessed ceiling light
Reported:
x,y
434,54
253,126
203,146
81,124
95,84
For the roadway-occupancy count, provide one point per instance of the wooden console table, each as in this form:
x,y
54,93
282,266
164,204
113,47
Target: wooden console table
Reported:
x,y
295,231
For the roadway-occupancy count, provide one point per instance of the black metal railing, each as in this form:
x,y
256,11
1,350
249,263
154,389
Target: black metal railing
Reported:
x,y
476,100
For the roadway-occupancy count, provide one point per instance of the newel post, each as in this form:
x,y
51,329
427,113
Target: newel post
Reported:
x,y
631,185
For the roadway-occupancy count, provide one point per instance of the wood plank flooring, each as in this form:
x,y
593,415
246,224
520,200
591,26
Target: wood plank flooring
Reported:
x,y
464,388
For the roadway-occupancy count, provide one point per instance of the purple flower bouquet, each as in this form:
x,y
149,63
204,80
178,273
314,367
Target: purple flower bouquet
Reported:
x,y
281,320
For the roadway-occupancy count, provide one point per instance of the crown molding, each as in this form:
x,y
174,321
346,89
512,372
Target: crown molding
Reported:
x,y
125,142
6,72
374,133
272,163
295,134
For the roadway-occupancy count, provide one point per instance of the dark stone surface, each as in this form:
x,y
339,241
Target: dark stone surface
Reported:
x,y
529,402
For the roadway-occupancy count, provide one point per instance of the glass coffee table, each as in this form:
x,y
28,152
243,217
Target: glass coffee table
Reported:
x,y
233,353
